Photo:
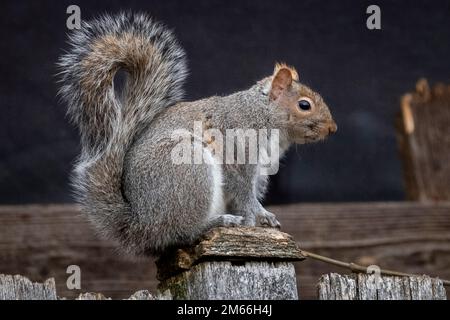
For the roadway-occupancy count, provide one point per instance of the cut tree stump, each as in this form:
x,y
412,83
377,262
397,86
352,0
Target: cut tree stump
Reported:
x,y
424,141
233,263
363,286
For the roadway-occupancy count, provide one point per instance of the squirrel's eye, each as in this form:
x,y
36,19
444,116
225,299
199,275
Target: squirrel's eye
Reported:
x,y
304,105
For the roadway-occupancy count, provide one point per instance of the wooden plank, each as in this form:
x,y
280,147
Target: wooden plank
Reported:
x,y
20,288
336,287
404,236
423,129
361,286
248,243
42,241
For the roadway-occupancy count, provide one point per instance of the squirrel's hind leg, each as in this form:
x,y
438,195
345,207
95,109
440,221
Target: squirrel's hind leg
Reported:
x,y
173,203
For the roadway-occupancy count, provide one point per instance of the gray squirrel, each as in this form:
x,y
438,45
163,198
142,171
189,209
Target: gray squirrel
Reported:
x,y
125,178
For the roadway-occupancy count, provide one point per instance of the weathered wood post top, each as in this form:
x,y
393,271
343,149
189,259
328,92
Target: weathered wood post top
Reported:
x,y
232,263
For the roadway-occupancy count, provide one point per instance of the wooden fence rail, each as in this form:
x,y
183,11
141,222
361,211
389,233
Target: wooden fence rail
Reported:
x,y
245,263
42,241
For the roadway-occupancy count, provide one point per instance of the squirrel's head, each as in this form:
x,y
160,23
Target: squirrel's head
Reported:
x,y
306,116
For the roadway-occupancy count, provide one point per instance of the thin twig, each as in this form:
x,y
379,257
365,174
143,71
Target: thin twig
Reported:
x,y
359,268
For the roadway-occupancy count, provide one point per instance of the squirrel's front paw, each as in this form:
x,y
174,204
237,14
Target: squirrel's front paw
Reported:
x,y
267,219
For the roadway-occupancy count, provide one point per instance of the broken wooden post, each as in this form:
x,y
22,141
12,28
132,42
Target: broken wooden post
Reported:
x,y
233,263
423,135
20,288
364,286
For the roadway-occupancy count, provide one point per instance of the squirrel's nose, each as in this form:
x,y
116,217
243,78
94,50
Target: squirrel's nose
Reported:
x,y
332,128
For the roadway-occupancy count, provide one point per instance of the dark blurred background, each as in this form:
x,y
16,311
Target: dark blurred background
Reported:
x,y
230,45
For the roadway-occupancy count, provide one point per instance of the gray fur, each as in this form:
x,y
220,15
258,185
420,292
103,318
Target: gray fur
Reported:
x,y
107,126
150,88
126,180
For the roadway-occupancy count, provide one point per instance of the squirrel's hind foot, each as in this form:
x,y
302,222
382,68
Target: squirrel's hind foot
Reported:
x,y
267,219
225,220
262,218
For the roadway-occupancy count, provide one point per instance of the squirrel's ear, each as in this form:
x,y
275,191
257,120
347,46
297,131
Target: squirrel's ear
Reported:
x,y
281,80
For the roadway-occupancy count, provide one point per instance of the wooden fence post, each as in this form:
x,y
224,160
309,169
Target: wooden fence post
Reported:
x,y
233,263
364,286
20,288
423,133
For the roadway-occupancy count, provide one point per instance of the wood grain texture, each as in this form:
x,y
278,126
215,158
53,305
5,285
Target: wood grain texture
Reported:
x,y
404,236
360,286
21,288
42,241
240,263
423,129
225,280
231,244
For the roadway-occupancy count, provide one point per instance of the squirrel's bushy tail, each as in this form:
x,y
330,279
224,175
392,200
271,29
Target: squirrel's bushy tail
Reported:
x,y
155,65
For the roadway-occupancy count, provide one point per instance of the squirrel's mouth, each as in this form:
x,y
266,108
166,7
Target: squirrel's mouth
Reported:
x,y
305,139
